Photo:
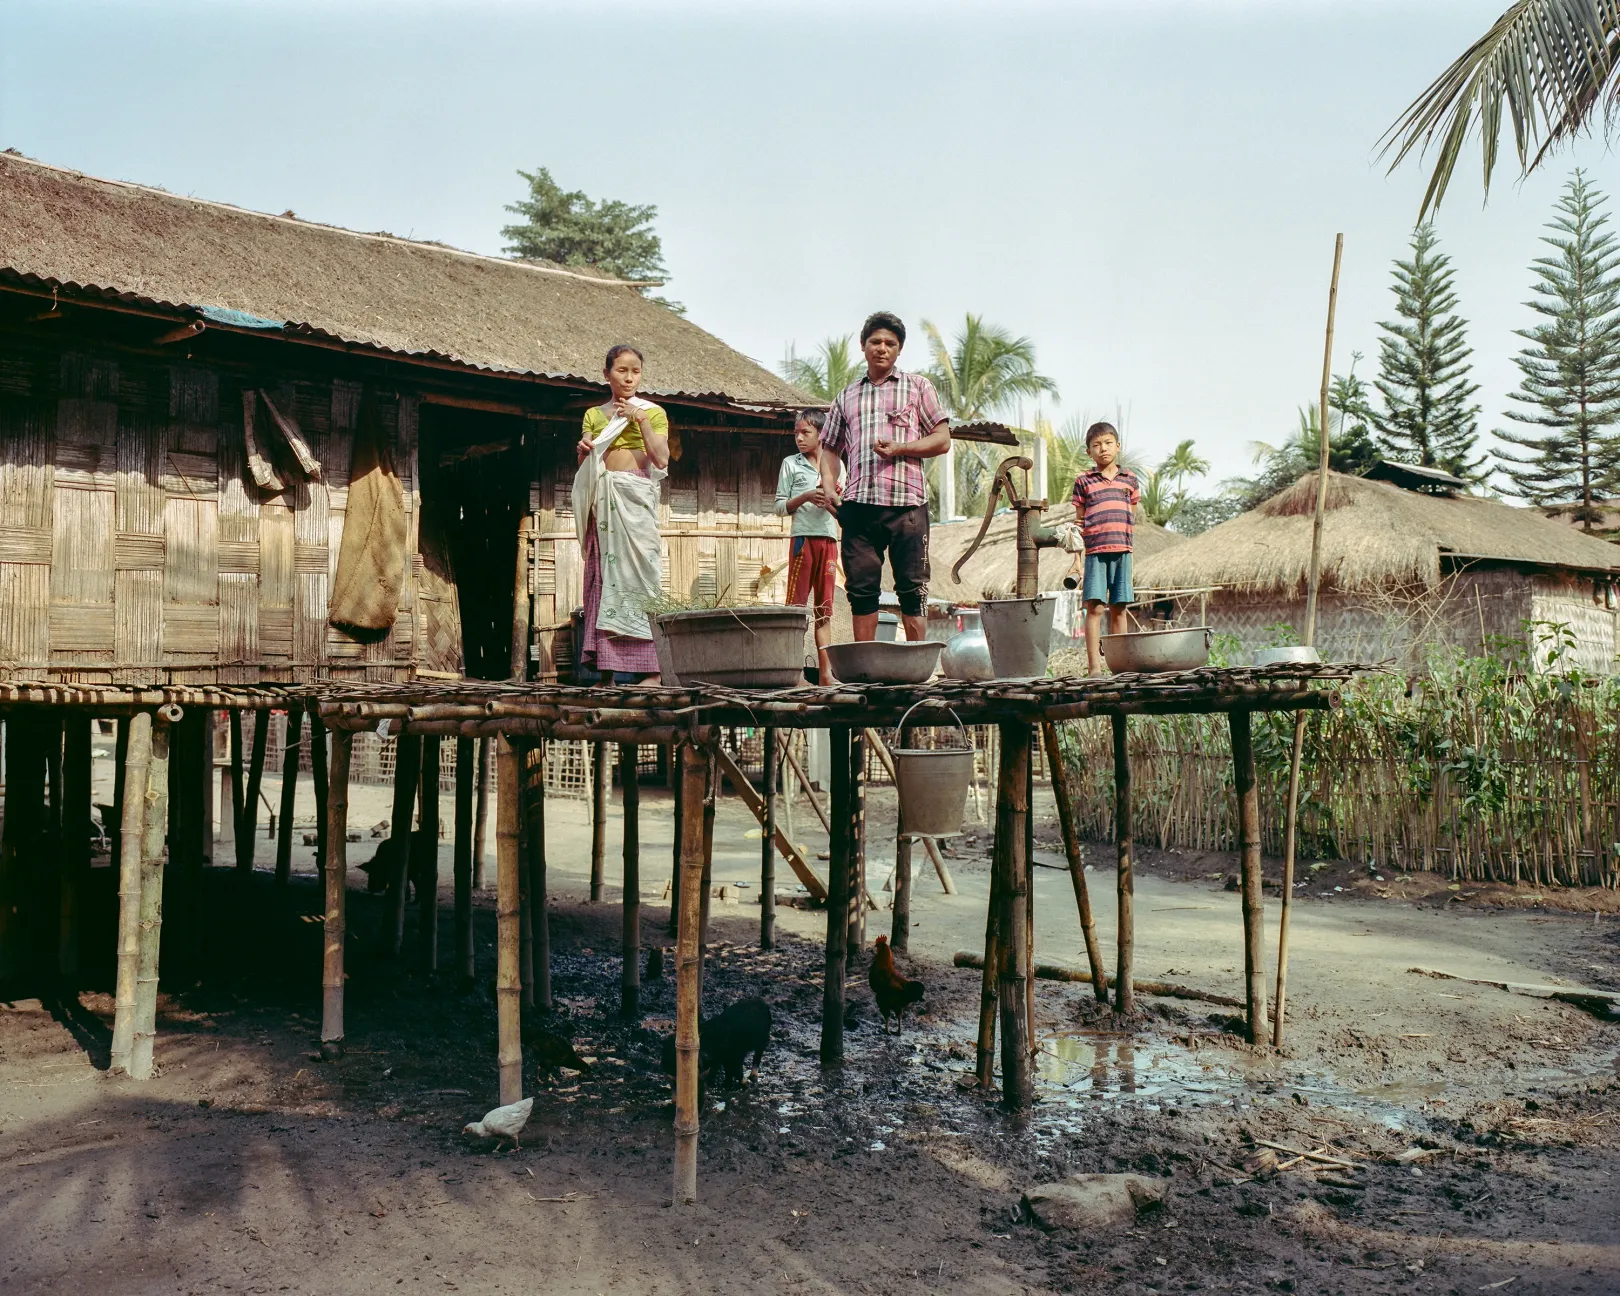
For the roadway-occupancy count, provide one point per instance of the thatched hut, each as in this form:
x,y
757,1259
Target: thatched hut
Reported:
x,y
187,387
1408,560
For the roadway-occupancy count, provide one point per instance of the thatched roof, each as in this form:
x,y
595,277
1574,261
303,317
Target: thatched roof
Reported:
x,y
995,565
125,240
1374,535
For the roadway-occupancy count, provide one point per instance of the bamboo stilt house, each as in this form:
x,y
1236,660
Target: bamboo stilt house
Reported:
x,y
195,399
1409,560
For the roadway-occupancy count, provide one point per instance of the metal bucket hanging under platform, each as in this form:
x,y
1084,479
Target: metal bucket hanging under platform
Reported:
x,y
932,785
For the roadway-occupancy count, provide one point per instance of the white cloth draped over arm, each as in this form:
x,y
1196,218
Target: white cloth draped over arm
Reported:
x,y
623,506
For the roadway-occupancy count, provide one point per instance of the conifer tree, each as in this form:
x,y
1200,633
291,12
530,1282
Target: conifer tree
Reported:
x,y
1427,416
1570,390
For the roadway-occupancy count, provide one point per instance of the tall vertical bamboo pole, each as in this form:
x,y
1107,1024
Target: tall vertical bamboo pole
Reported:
x,y
688,981
76,812
1012,812
838,875
319,779
427,894
535,867
856,948
407,769
49,920
206,718
1029,892
235,769
675,868
1291,831
508,1010
1124,990
900,920
1248,806
522,605
481,814
711,797
154,835
767,842
1064,796
466,959
601,786
247,830
337,869
630,974
525,880
289,794
131,829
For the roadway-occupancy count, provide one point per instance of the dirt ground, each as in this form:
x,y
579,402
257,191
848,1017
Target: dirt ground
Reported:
x,y
1482,1127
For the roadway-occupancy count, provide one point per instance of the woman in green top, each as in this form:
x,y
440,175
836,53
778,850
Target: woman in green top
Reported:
x,y
623,455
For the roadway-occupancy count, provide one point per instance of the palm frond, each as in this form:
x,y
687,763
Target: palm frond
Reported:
x,y
1546,64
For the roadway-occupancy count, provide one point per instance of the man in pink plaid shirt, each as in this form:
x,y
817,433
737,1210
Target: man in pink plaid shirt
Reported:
x,y
881,427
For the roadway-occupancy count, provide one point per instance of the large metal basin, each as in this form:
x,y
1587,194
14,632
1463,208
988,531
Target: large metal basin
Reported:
x,y
756,646
1158,650
876,662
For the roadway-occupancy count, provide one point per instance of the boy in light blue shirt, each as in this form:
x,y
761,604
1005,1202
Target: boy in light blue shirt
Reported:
x,y
813,556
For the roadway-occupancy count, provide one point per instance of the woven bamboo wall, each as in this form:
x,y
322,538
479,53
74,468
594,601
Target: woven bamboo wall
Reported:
x,y
719,523
135,548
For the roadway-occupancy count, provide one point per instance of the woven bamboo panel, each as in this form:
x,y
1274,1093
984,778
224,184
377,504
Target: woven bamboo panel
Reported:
x,y
26,475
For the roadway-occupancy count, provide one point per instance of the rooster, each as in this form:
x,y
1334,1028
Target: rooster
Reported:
x,y
891,990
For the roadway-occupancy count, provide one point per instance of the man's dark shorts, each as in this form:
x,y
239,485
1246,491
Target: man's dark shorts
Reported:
x,y
870,531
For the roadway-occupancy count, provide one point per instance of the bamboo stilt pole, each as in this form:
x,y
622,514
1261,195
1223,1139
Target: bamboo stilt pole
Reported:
x,y
508,1010
525,878
522,605
154,836
1029,893
1064,796
289,794
767,843
481,814
131,830
76,812
427,870
319,778
838,878
900,921
538,882
946,881
1012,813
336,880
237,784
711,794
630,974
49,921
247,831
675,870
984,1067
1313,585
1248,804
688,981
855,950
466,958
601,785
407,769
1124,992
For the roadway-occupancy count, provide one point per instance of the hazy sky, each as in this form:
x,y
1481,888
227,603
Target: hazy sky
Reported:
x,y
1148,188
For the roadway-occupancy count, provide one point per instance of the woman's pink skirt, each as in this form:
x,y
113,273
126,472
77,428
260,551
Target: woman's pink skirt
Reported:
x,y
604,651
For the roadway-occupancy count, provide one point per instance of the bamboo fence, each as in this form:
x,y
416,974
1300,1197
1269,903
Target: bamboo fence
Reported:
x,y
1479,775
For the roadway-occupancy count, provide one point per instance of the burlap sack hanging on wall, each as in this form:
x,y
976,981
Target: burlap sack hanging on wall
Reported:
x,y
371,560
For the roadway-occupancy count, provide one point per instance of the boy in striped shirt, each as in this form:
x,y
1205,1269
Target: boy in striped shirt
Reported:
x,y
1105,500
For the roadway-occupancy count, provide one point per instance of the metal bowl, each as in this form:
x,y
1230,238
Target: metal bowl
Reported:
x,y
1158,650
874,662
1287,655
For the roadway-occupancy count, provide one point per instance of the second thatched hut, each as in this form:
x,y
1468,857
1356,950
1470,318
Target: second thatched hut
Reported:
x,y
1409,560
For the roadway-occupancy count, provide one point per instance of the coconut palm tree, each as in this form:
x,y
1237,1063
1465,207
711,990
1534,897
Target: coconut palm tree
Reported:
x,y
827,370
1544,65
985,370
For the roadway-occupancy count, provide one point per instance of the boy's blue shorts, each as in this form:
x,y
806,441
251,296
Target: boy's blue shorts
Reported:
x,y
1108,579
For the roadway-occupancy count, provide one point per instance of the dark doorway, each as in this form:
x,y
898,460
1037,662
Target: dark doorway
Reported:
x,y
475,490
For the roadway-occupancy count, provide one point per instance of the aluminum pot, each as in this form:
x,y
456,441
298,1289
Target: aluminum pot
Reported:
x,y
1020,635
1158,650
876,662
1289,654
931,785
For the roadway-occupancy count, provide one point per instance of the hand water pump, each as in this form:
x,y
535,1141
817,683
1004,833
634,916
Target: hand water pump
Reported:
x,y
1033,533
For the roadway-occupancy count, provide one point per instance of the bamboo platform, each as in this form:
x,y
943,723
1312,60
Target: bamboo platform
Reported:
x,y
520,716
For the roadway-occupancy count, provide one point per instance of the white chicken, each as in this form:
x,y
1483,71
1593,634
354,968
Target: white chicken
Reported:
x,y
502,1123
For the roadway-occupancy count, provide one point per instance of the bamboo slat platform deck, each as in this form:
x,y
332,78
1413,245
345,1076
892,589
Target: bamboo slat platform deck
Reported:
x,y
519,716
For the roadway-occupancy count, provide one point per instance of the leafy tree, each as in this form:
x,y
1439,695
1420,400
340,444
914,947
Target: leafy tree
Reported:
x,y
826,371
571,229
985,370
1544,65
1570,391
1163,493
1423,368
